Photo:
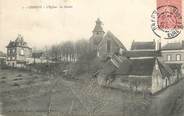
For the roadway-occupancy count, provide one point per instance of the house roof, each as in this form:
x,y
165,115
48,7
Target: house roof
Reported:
x,y
141,53
139,67
114,38
142,67
19,42
173,46
174,66
165,69
143,45
113,64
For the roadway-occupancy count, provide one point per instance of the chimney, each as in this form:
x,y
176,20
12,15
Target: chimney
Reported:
x,y
158,45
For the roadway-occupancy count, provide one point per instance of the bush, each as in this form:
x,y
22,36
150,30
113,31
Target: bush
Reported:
x,y
3,77
16,84
19,75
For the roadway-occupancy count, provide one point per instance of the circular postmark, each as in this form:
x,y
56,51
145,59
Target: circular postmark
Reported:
x,y
166,22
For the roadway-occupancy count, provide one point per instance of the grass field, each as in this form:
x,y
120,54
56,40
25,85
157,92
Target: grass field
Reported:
x,y
29,94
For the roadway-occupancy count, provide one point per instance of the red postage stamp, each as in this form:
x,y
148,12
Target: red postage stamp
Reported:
x,y
167,19
169,14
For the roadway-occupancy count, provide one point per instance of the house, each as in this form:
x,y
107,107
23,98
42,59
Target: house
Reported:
x,y
173,53
17,52
139,74
105,44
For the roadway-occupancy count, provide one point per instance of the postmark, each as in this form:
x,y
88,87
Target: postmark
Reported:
x,y
166,21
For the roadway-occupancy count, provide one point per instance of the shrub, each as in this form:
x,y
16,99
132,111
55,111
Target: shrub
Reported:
x,y
19,75
3,77
16,84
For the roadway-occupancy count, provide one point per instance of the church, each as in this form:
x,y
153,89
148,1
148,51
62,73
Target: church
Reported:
x,y
105,44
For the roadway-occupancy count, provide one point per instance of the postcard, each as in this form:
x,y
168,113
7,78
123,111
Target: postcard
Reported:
x,y
91,58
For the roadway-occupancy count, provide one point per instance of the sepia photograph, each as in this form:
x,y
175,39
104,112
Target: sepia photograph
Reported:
x,y
91,58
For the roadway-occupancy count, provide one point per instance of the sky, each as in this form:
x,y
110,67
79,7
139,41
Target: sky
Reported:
x,y
128,20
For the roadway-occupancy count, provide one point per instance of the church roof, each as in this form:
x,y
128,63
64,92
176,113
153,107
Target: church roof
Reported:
x,y
113,37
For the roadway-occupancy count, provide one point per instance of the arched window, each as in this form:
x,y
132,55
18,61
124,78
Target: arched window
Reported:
x,y
168,57
178,57
21,52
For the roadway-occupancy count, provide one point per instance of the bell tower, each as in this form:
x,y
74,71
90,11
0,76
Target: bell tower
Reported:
x,y
98,30
97,36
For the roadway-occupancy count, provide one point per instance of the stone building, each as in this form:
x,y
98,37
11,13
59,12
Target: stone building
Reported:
x,y
138,74
17,52
173,55
105,44
139,69
98,34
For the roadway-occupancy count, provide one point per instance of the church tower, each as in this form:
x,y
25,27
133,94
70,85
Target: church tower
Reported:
x,y
97,36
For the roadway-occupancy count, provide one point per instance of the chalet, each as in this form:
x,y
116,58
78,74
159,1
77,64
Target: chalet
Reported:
x,y
147,74
17,52
105,44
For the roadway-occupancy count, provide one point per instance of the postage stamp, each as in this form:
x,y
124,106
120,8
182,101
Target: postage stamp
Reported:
x,y
167,19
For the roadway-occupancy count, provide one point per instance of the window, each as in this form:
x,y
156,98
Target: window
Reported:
x,y
9,51
168,57
21,52
13,50
178,57
108,45
13,58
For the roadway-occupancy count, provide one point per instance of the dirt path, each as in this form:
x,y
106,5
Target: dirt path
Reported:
x,y
169,102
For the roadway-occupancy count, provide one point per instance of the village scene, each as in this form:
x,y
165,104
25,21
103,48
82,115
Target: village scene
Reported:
x,y
97,76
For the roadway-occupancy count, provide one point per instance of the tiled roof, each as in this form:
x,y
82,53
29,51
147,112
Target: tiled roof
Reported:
x,y
138,67
173,46
141,53
143,45
165,69
19,42
142,67
174,66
